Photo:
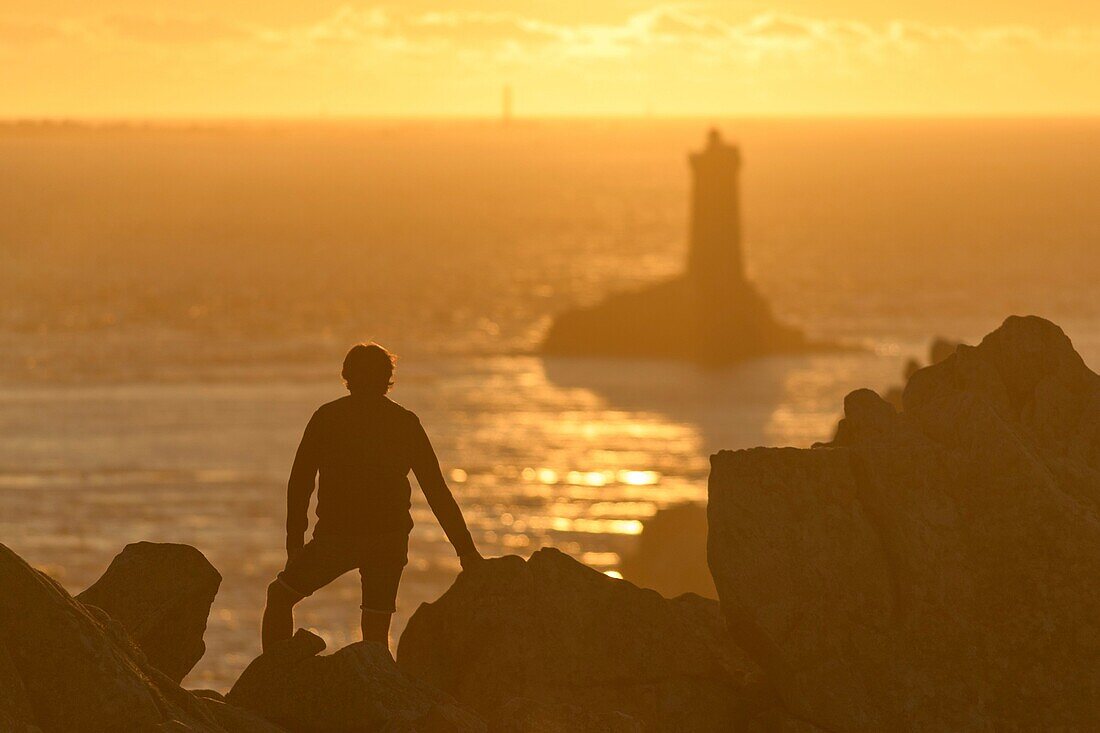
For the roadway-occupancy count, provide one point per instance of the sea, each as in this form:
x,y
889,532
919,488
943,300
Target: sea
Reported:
x,y
176,297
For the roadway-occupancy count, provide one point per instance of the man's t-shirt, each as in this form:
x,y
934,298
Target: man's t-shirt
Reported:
x,y
361,449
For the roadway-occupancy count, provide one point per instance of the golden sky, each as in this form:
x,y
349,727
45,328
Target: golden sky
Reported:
x,y
299,58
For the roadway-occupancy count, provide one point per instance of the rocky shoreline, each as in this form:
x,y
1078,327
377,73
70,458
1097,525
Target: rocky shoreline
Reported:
x,y
932,568
938,565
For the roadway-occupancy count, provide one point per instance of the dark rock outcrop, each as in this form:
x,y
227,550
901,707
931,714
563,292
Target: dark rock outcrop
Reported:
x,y
529,716
16,715
671,557
675,319
237,720
359,688
70,667
934,569
552,630
938,350
161,594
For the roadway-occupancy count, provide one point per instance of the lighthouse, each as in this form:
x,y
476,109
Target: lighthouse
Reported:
x,y
714,250
711,314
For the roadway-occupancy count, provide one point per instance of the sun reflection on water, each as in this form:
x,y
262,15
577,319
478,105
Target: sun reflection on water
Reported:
x,y
512,444
590,526
639,478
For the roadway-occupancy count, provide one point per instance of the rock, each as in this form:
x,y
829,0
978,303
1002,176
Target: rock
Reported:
x,y
938,350
528,716
675,320
671,557
66,666
78,673
16,715
359,688
209,694
161,594
934,569
869,418
552,630
238,720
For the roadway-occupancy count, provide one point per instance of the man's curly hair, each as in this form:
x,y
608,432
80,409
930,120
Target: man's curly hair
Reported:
x,y
368,369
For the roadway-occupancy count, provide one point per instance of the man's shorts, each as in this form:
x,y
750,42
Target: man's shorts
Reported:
x,y
380,559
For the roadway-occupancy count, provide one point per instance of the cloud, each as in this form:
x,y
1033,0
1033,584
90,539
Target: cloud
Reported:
x,y
474,34
678,23
667,51
347,25
783,28
665,27
176,29
22,31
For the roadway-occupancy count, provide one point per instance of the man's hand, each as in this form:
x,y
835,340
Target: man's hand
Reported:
x,y
470,559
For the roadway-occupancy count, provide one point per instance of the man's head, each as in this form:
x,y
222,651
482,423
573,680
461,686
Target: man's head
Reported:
x,y
368,369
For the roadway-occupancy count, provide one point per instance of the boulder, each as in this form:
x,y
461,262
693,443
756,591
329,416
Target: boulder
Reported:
x,y
66,666
934,569
76,668
359,688
552,630
528,716
671,556
161,594
16,715
675,319
238,720
938,350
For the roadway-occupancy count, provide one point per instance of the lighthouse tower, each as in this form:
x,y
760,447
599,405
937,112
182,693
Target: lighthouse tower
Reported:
x,y
711,314
714,256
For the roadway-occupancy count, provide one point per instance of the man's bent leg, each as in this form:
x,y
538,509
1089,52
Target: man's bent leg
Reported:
x,y
278,623
376,626
314,566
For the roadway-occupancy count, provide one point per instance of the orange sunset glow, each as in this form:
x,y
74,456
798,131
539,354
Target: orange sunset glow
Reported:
x,y
123,58
549,366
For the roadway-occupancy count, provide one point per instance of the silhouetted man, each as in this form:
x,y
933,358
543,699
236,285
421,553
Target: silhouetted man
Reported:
x,y
360,448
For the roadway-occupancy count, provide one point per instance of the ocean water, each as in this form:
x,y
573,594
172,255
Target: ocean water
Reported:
x,y
175,301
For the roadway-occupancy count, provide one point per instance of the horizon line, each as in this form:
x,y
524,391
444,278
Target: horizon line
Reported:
x,y
519,120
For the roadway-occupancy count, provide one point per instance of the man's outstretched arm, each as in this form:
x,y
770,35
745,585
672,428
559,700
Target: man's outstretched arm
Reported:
x,y
303,480
440,499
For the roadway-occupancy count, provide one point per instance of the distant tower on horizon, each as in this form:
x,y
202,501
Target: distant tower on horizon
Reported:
x,y
506,104
714,251
711,314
